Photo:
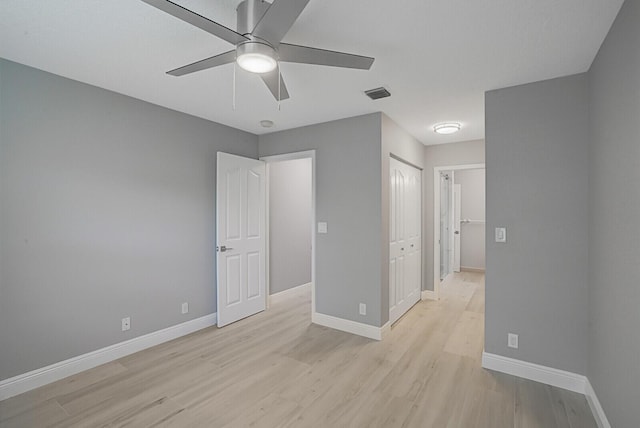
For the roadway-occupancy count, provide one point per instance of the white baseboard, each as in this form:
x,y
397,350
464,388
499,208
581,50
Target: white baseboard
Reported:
x,y
596,408
428,295
547,375
471,269
279,296
385,329
45,375
348,326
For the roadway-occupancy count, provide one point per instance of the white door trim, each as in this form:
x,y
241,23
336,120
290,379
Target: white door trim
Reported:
x,y
436,218
308,154
456,226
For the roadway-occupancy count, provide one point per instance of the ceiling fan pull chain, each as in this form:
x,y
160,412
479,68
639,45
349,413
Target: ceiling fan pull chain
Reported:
x,y
234,86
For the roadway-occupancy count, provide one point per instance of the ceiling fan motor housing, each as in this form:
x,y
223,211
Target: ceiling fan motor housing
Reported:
x,y
255,55
248,14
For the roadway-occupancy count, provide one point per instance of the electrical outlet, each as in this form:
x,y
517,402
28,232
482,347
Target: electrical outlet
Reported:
x,y
501,234
363,309
126,323
512,341
185,307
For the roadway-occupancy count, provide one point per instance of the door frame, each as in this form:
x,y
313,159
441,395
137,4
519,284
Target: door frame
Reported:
x,y
307,154
457,200
436,218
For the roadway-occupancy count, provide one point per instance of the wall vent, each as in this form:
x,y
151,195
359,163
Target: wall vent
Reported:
x,y
377,93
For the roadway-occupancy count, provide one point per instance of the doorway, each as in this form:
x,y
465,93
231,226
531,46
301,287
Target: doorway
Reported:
x,y
242,219
446,214
290,257
459,221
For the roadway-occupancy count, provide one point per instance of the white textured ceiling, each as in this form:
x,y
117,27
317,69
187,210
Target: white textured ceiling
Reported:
x,y
437,57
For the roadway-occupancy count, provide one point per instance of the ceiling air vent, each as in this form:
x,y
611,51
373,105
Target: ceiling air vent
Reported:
x,y
377,93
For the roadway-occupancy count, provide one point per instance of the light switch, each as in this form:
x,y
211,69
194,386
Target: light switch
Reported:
x,y
322,227
501,234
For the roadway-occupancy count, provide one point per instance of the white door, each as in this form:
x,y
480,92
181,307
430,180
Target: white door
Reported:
x,y
240,228
405,253
457,207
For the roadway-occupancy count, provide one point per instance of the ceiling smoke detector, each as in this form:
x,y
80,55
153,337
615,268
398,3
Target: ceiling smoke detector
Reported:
x,y
377,93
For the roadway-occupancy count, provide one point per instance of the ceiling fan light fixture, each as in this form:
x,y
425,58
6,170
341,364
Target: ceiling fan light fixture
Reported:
x,y
260,27
256,57
447,128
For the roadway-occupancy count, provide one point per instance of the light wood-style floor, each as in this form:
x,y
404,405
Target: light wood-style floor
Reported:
x,y
276,369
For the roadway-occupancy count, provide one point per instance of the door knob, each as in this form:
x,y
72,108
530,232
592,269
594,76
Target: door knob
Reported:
x,y
223,248
457,232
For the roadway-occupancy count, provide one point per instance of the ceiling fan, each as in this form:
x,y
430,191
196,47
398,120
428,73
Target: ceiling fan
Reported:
x,y
258,48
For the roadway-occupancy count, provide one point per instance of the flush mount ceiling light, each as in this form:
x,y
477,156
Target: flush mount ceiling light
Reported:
x,y
256,57
447,128
266,123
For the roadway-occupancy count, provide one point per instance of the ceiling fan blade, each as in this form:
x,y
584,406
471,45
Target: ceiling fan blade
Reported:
x,y
278,19
271,80
307,55
203,64
199,21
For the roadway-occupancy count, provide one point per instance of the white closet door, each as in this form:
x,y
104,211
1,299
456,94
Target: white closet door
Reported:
x,y
405,238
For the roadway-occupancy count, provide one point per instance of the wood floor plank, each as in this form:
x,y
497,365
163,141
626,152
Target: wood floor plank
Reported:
x,y
476,304
277,369
35,415
103,406
154,413
483,408
221,406
534,407
270,412
573,407
467,338
36,397
440,397
128,385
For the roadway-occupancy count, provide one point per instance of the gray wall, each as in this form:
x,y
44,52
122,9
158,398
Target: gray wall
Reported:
x,y
289,224
472,235
348,198
398,143
107,209
614,208
464,153
536,166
